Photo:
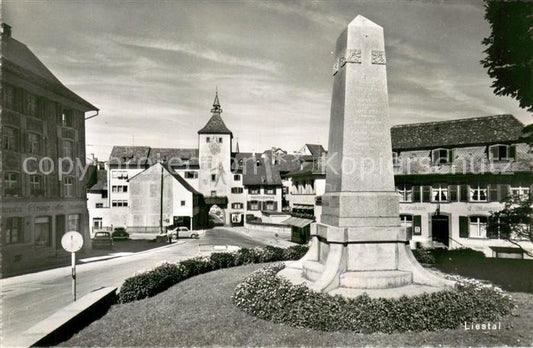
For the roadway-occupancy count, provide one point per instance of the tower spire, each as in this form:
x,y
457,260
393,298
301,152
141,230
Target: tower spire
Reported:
x,y
216,104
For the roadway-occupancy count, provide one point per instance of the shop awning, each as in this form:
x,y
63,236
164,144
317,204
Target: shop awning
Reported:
x,y
298,222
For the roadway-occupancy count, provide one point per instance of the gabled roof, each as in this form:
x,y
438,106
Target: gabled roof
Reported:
x,y
463,132
174,157
101,181
260,172
215,125
308,169
316,149
129,155
20,60
172,173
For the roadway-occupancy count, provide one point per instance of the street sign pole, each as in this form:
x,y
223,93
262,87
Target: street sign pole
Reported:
x,y
73,257
72,241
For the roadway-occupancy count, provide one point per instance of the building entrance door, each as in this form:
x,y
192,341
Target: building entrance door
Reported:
x,y
440,229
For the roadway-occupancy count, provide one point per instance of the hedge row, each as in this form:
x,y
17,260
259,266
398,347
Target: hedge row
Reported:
x,y
264,295
152,282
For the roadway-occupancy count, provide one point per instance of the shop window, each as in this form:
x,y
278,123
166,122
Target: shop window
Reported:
x,y
406,221
43,231
14,230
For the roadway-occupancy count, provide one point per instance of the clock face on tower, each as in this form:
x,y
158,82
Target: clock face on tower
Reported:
x,y
214,146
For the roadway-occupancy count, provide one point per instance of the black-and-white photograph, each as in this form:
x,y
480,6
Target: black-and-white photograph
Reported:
x,y
281,173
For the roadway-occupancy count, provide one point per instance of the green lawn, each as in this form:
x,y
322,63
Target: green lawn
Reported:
x,y
199,312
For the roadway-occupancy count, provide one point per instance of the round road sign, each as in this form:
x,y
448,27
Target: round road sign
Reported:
x,y
72,241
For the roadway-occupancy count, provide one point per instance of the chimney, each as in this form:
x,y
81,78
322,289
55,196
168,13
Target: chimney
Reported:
x,y
6,30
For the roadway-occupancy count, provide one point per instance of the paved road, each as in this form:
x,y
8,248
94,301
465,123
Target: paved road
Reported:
x,y
227,236
30,298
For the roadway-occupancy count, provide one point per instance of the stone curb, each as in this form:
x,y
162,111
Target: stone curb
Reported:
x,y
64,323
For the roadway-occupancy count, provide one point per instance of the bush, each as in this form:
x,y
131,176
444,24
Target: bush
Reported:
x,y
264,295
150,283
424,256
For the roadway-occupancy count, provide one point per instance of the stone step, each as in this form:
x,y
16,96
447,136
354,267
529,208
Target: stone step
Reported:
x,y
312,270
375,279
408,290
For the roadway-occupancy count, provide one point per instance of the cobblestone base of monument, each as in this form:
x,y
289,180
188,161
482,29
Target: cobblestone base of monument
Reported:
x,y
268,296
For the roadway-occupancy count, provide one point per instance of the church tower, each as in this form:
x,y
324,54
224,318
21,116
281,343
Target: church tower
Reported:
x,y
214,147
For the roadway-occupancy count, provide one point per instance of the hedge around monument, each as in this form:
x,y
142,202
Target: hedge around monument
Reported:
x,y
151,282
267,296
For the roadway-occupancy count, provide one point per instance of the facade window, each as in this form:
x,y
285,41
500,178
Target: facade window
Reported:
x,y
421,193
10,139
213,177
219,140
104,194
477,227
237,177
67,118
406,193
439,193
14,230
34,143
207,139
191,175
270,205
502,152
213,193
119,174
270,191
395,159
441,156
36,185
182,203
30,103
478,193
407,222
67,149
68,186
237,206
9,97
73,222
253,205
43,231
254,190
99,205
521,191
237,190
119,188
119,203
97,223
11,184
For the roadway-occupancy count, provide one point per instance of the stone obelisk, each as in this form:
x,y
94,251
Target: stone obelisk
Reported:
x,y
359,245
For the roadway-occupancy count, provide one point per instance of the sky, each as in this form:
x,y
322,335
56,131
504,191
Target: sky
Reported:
x,y
152,67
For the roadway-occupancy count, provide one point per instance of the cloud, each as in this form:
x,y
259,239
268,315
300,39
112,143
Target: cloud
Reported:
x,y
199,51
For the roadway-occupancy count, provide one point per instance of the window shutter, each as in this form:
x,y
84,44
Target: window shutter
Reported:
x,y
451,155
263,206
453,193
463,226
504,192
464,193
512,151
492,228
416,193
417,225
249,205
275,206
493,193
426,194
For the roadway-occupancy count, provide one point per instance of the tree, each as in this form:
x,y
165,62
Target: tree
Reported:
x,y
514,222
509,50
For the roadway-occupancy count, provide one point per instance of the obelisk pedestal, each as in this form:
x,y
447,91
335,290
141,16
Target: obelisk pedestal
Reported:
x,y
359,245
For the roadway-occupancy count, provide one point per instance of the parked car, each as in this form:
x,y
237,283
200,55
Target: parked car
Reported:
x,y
120,233
102,240
182,231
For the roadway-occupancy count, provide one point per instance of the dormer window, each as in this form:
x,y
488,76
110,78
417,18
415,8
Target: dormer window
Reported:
x,y
502,152
441,156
